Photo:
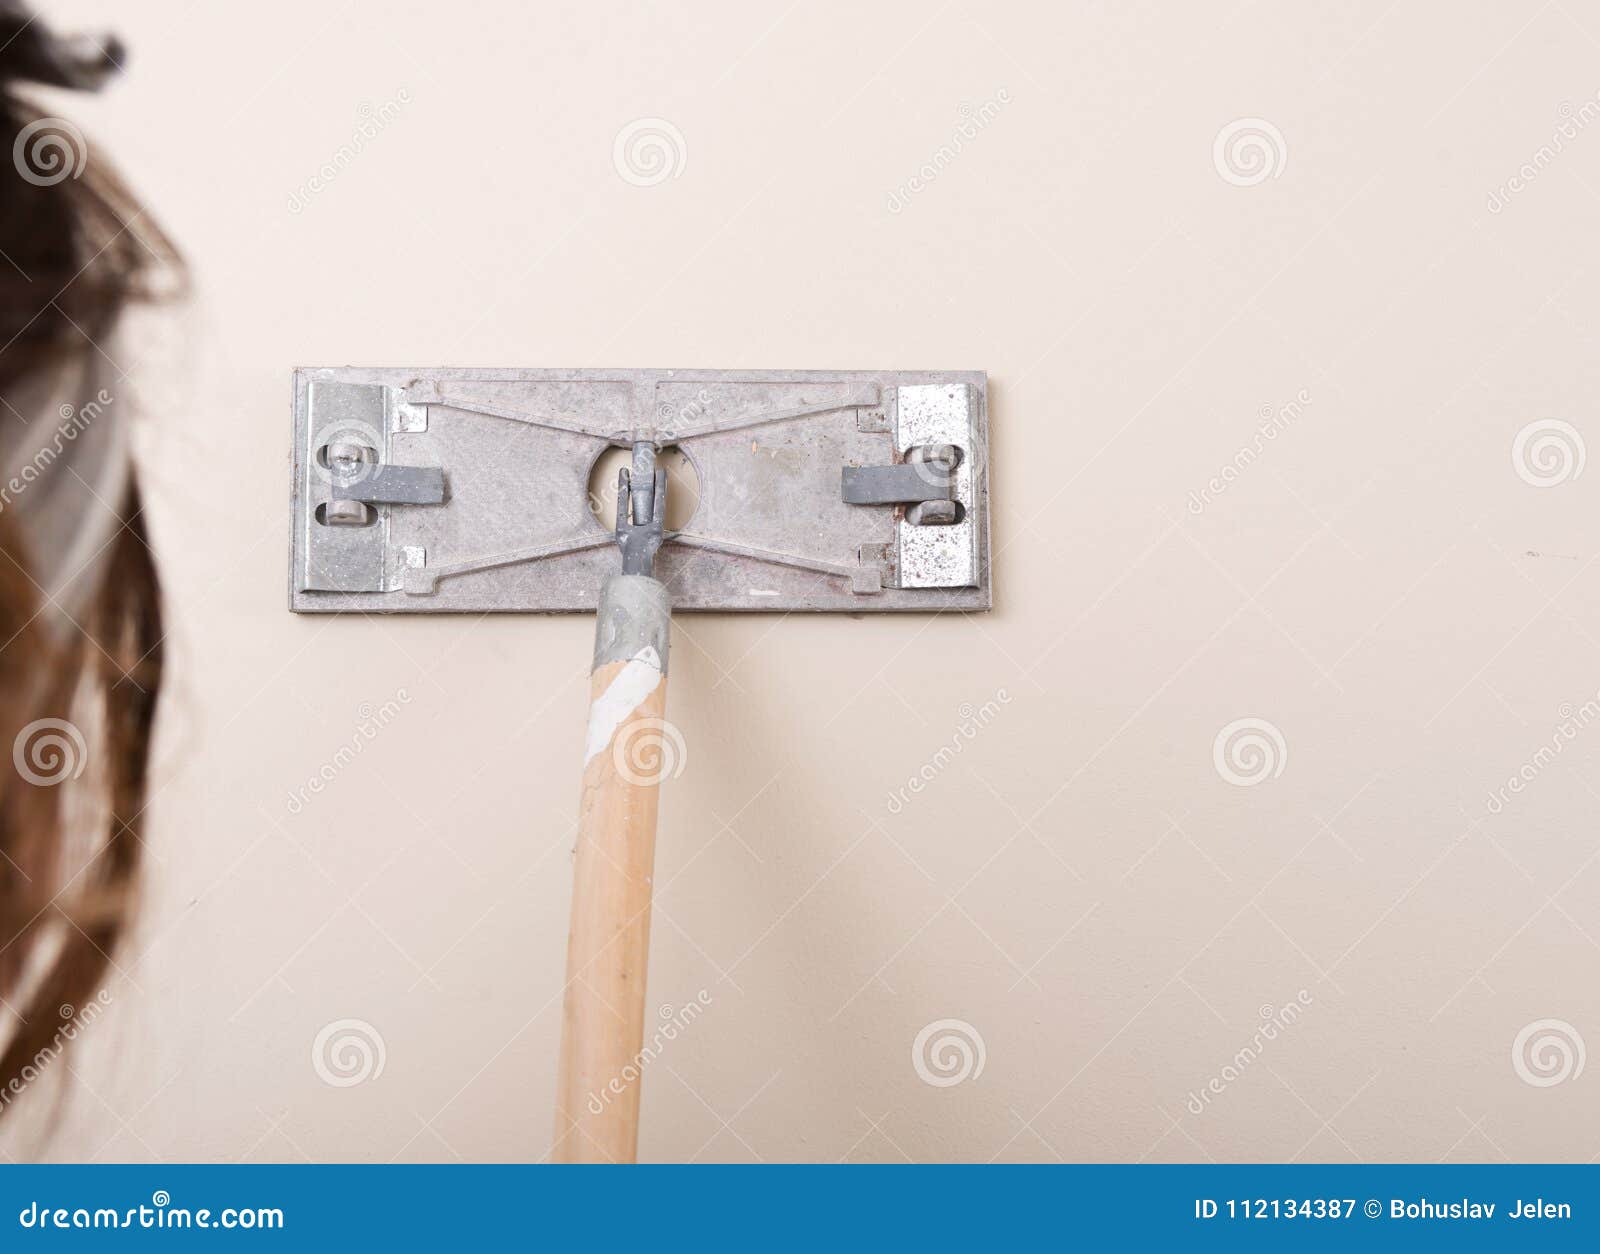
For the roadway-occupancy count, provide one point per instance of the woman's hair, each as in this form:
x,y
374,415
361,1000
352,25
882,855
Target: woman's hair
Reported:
x,y
78,689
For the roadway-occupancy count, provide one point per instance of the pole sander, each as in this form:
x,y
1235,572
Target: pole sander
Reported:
x,y
465,490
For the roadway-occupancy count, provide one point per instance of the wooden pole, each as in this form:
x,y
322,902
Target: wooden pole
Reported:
x,y
630,747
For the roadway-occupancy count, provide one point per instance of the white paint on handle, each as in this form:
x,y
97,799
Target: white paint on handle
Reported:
x,y
638,678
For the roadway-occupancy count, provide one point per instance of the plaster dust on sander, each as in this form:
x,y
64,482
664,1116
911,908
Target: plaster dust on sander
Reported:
x,y
467,490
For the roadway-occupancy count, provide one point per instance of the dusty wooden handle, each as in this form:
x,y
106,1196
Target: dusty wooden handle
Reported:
x,y
628,750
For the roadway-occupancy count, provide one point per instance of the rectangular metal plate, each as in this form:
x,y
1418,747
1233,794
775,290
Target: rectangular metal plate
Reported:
x,y
516,448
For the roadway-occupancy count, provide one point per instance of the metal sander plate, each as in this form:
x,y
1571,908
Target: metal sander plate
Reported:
x,y
514,530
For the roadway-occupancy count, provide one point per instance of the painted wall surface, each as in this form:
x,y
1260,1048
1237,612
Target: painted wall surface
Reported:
x,y
1256,822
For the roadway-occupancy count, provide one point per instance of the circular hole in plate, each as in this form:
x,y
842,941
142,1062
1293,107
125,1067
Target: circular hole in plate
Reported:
x,y
683,485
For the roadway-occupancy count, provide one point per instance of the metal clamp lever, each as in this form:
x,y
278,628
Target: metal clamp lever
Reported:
x,y
359,480
923,483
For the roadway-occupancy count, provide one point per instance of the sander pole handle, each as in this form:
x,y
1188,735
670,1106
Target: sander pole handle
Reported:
x,y
630,748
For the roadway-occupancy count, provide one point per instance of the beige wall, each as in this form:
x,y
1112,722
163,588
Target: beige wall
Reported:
x,y
1080,884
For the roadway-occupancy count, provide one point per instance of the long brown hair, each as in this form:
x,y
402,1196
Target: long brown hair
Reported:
x,y
75,252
